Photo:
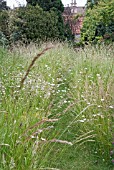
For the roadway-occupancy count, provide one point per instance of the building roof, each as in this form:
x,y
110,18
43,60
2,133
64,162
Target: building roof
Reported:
x,y
71,10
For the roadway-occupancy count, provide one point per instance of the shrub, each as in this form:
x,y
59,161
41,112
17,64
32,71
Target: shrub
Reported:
x,y
4,22
32,23
99,22
3,40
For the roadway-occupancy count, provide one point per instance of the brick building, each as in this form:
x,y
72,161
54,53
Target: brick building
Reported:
x,y
69,15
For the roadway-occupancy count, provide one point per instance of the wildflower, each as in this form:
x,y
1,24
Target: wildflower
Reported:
x,y
113,161
98,75
83,120
52,84
15,121
111,107
99,106
65,101
46,65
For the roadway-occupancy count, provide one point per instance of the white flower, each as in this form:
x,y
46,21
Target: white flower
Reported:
x,y
83,120
98,75
99,106
111,107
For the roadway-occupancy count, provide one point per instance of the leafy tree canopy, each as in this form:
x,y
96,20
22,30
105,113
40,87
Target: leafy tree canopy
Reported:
x,y
35,24
56,6
4,22
99,22
47,4
91,3
3,5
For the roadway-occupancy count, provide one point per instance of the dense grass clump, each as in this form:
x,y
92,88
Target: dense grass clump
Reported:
x,y
61,117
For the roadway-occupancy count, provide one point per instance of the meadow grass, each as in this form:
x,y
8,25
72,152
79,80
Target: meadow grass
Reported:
x,y
62,116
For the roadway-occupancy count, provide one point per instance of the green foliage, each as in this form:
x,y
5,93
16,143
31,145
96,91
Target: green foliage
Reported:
x,y
91,3
3,40
47,4
57,7
32,23
60,23
4,22
3,5
68,33
99,22
75,18
4,32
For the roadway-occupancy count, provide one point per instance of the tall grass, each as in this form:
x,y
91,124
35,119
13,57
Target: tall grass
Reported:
x,y
64,111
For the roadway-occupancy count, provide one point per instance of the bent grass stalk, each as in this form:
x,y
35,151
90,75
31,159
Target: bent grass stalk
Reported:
x,y
31,65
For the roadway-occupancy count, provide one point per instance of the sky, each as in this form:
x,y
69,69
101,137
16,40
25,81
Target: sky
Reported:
x,y
15,3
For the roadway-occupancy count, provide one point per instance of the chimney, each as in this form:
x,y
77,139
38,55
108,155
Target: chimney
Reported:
x,y
71,2
75,3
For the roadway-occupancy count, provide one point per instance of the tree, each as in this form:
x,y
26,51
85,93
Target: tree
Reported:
x,y
99,22
68,32
35,24
47,4
4,18
3,5
91,3
4,33
57,7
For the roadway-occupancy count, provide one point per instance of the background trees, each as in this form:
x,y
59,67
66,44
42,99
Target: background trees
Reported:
x,y
38,21
91,3
47,4
57,7
3,5
99,22
42,20
35,24
3,17
3,23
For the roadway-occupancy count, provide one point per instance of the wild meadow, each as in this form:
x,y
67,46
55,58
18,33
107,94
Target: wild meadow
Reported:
x,y
60,115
